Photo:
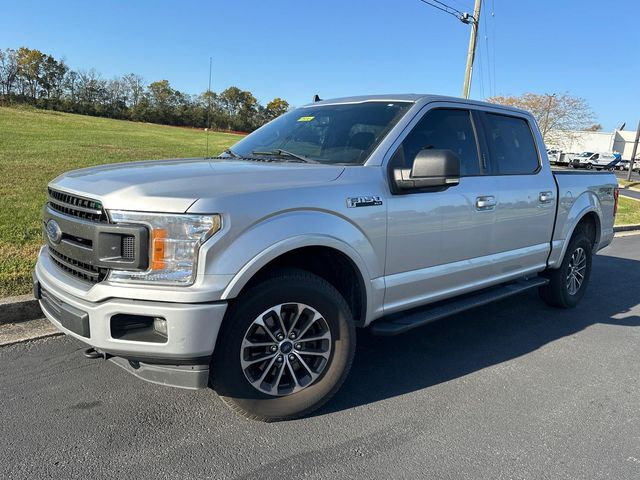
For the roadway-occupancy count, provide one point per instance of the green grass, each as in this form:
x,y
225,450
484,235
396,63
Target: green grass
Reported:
x,y
628,211
38,145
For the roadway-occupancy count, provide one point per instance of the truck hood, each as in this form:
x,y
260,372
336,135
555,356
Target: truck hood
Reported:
x,y
172,186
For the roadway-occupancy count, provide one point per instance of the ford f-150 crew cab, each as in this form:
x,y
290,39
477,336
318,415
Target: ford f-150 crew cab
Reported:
x,y
249,272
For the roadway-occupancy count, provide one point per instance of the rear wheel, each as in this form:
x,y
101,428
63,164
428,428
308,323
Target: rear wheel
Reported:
x,y
286,347
567,284
589,166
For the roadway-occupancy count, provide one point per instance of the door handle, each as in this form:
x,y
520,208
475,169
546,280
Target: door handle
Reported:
x,y
546,197
485,203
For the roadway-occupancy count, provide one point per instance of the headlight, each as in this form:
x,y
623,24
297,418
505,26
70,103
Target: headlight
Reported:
x,y
174,241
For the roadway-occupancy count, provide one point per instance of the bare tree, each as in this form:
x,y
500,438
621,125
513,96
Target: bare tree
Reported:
x,y
8,70
557,114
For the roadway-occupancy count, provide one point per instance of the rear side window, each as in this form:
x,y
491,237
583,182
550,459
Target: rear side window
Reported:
x,y
442,128
511,145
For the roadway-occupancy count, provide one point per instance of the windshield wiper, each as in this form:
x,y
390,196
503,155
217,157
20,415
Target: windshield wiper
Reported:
x,y
283,153
228,151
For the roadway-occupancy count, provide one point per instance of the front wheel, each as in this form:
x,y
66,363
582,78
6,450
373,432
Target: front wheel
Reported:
x,y
567,284
589,166
286,347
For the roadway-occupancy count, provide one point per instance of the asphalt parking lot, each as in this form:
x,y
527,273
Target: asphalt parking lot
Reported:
x,y
511,390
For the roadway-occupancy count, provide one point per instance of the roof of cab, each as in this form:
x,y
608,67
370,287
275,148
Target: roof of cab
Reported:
x,y
411,97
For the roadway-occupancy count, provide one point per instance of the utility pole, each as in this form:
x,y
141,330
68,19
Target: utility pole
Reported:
x,y
475,21
634,151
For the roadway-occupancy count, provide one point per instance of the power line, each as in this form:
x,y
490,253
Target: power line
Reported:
x,y
481,76
446,9
447,6
487,57
472,20
493,44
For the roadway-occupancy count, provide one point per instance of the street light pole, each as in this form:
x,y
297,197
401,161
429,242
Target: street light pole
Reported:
x,y
633,153
471,53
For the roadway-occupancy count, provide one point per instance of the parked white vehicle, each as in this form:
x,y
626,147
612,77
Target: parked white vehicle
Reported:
x,y
597,160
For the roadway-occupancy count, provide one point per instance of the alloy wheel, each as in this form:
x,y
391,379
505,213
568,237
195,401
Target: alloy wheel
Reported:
x,y
285,349
576,270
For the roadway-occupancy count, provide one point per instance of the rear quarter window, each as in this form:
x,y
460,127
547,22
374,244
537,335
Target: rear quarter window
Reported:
x,y
511,145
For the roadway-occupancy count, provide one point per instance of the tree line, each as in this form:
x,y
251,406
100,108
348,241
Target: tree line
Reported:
x,y
29,76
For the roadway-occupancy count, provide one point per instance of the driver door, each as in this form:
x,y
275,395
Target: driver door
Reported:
x,y
439,240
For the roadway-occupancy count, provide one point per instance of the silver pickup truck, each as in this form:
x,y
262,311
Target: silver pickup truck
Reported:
x,y
249,272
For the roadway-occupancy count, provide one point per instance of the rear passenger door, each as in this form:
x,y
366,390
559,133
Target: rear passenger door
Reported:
x,y
525,196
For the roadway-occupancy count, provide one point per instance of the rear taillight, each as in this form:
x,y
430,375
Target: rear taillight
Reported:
x,y
616,194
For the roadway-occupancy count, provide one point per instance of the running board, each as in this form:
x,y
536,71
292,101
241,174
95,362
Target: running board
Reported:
x,y
404,321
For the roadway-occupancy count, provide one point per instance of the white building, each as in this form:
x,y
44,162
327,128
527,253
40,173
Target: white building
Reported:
x,y
576,141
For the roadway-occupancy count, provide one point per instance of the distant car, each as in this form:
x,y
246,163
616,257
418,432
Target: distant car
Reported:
x,y
623,165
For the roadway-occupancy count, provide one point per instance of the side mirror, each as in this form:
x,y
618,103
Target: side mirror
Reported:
x,y
431,168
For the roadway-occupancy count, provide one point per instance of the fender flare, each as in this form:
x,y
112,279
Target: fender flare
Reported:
x,y
586,203
289,231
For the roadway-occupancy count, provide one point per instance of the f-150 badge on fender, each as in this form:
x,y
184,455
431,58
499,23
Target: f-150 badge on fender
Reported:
x,y
367,201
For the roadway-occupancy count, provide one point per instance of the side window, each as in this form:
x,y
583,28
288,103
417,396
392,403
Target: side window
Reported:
x,y
442,129
511,145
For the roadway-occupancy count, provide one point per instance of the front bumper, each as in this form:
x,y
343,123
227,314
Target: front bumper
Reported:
x,y
181,359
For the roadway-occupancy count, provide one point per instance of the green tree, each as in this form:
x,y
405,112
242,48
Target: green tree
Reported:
x,y
275,108
30,63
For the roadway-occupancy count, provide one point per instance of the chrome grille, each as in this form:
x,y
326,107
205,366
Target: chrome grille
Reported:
x,y
76,206
78,269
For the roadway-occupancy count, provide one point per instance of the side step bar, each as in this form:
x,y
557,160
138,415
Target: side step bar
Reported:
x,y
404,321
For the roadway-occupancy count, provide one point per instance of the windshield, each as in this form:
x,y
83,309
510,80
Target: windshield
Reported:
x,y
345,133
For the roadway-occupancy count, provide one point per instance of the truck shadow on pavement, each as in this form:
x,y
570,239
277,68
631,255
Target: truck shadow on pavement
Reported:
x,y
386,367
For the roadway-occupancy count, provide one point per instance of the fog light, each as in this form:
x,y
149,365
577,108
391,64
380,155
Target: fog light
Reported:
x,y
160,326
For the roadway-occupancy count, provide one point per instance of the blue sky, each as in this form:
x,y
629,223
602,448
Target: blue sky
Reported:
x,y
293,48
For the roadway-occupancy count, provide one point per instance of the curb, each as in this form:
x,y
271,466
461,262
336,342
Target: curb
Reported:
x,y
19,309
627,228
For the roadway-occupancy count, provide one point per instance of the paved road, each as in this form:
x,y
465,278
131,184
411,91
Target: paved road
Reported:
x,y
626,192
511,390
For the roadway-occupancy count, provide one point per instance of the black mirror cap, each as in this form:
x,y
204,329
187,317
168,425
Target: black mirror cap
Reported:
x,y
431,169
436,163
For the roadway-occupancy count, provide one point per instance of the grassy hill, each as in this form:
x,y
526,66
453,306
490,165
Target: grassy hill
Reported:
x,y
38,145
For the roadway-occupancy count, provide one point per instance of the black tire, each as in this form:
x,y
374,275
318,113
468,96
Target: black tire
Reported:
x,y
556,293
285,286
589,166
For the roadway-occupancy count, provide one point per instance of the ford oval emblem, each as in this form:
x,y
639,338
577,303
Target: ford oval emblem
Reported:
x,y
53,231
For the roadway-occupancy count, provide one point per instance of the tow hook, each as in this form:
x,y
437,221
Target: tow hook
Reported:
x,y
93,353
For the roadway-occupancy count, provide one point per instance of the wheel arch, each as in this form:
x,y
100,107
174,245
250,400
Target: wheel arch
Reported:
x,y
340,245
331,264
585,212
